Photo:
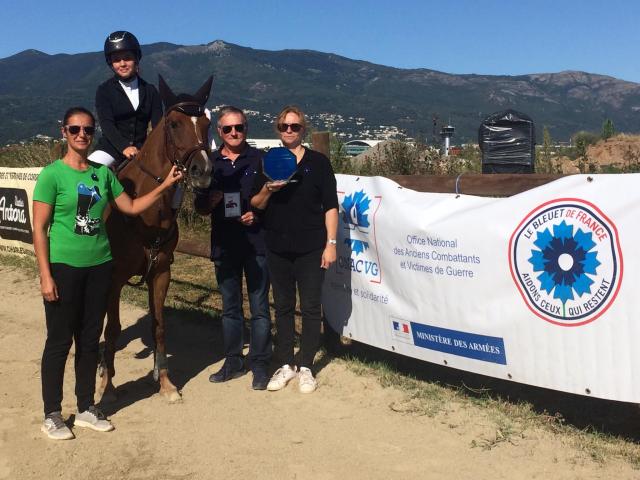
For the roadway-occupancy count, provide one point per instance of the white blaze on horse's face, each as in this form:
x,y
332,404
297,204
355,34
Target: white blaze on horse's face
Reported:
x,y
194,120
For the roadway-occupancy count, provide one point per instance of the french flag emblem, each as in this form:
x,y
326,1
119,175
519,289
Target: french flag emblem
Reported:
x,y
401,331
401,327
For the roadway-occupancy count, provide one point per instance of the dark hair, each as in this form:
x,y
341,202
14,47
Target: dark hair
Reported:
x,y
227,109
75,111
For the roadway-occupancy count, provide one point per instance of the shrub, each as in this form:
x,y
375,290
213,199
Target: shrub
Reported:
x,y
35,154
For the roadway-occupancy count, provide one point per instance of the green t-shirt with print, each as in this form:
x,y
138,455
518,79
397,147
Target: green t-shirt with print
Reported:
x,y
77,236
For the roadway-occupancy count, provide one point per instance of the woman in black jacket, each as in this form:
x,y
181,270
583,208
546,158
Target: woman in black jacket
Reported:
x,y
300,223
125,103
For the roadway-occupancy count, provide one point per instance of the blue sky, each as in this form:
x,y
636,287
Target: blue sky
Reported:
x,y
456,36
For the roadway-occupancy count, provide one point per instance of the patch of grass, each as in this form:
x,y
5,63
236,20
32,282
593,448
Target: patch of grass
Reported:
x,y
34,154
507,429
510,419
193,287
600,446
421,398
24,263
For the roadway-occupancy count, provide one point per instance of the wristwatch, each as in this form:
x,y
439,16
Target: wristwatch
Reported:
x,y
332,241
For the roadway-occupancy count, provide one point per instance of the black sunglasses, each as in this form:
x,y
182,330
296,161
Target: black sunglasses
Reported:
x,y
75,129
295,127
227,128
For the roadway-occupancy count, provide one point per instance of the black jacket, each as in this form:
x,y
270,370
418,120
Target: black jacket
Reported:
x,y
228,236
121,125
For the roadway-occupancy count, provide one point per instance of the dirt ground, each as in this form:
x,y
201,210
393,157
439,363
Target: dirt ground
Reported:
x,y
345,430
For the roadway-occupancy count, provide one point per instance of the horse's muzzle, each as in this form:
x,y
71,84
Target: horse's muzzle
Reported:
x,y
199,170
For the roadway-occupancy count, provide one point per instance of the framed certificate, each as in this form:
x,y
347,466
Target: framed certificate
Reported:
x,y
232,206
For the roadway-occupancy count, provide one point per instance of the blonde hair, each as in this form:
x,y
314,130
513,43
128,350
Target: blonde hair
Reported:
x,y
291,109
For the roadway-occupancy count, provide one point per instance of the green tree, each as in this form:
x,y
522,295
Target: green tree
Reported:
x,y
399,158
544,164
340,161
582,140
581,152
607,129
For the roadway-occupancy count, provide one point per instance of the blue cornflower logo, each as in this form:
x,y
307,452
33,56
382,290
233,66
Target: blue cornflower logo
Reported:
x,y
354,213
565,260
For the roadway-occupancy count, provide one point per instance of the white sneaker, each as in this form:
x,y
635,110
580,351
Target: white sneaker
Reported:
x,y
94,419
306,382
280,379
55,428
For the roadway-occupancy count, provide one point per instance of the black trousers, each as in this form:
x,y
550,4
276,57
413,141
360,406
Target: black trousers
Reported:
x,y
288,271
77,315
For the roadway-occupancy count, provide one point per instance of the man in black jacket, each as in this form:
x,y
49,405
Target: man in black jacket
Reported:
x,y
125,103
237,249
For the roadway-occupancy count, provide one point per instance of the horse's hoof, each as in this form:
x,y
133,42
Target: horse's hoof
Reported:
x,y
172,396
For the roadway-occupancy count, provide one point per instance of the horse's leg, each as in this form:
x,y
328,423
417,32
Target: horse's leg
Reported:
x,y
158,286
111,334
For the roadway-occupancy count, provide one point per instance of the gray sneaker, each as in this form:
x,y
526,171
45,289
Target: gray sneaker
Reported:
x,y
55,428
94,419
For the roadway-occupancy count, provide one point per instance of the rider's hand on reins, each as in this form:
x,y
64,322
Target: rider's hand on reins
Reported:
x,y
130,152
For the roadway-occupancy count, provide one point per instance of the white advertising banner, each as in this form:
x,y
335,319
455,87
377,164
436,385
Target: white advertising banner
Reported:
x,y
16,198
539,288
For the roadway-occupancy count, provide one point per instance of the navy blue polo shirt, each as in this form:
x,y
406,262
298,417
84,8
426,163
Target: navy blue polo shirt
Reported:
x,y
228,235
294,219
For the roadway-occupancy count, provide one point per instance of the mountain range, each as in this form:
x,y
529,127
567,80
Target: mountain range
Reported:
x,y
351,97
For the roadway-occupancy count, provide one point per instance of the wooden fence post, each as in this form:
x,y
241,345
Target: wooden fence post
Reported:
x,y
320,142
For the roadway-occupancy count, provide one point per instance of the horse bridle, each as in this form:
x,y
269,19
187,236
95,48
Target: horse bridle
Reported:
x,y
191,109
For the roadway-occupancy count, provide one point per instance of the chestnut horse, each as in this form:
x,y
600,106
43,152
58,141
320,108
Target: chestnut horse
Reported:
x,y
144,245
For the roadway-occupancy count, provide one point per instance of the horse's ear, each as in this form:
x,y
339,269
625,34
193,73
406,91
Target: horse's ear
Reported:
x,y
202,95
168,97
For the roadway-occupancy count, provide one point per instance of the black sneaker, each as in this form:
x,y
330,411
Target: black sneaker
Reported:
x,y
260,380
232,368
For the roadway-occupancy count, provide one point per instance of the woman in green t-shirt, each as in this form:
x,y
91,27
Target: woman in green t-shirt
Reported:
x,y
74,260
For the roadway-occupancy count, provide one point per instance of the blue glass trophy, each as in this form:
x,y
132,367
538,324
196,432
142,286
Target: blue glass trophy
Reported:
x,y
279,165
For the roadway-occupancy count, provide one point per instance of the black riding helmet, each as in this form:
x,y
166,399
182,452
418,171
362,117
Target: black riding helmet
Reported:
x,y
121,41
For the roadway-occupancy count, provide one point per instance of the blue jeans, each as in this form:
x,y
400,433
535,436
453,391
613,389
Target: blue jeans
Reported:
x,y
229,271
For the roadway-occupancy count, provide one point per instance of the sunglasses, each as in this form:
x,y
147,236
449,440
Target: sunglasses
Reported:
x,y
227,128
75,129
295,127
